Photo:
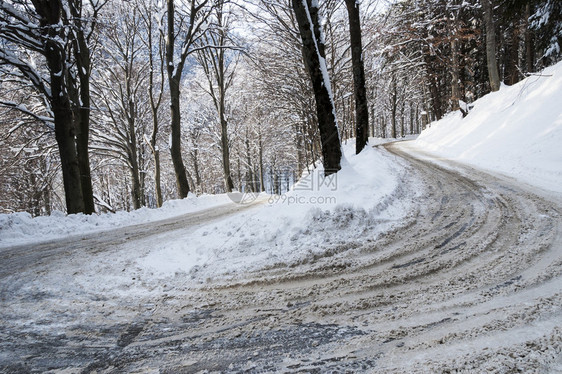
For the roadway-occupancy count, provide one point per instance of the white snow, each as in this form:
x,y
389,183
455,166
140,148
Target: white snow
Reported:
x,y
292,228
287,229
516,131
20,228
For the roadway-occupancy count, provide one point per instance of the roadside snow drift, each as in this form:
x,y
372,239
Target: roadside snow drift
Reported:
x,y
20,228
321,216
516,131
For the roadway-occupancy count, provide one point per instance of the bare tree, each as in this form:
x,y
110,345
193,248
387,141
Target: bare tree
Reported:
x,y
361,106
194,19
156,58
60,31
218,57
121,96
313,50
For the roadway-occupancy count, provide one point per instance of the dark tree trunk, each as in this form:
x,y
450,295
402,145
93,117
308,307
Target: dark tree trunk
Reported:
x,y
83,61
65,136
435,96
228,184
82,141
512,56
174,77
133,160
452,25
393,108
175,147
260,144
455,87
251,180
65,132
313,55
157,185
361,107
529,47
493,72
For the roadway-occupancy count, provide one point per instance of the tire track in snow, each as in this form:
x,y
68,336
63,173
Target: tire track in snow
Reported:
x,y
470,281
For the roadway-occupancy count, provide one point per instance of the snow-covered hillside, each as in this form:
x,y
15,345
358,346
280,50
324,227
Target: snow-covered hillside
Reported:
x,y
516,131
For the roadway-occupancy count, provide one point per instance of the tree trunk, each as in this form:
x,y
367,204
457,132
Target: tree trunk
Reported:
x,y
260,144
71,127
157,184
65,132
154,105
251,178
175,148
512,56
174,77
133,160
455,89
65,136
529,48
493,73
361,107
83,61
452,25
228,184
393,109
82,141
314,59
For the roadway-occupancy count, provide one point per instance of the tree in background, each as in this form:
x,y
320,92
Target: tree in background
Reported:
x,y
154,43
487,8
218,57
361,106
122,103
194,19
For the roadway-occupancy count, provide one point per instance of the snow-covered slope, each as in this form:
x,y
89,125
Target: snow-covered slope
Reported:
x,y
516,131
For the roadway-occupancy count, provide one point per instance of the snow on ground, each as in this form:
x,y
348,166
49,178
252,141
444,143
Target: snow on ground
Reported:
x,y
468,280
318,216
20,228
516,131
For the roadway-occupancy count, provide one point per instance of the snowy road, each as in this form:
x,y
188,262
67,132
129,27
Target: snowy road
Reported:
x,y
470,280
22,257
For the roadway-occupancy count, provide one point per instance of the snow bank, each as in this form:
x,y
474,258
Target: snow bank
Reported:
x,y
516,131
319,217
20,228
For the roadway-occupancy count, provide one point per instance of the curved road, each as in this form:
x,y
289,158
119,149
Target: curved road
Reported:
x,y
470,281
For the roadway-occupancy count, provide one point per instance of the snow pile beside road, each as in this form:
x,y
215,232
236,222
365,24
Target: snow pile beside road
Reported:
x,y
319,217
516,131
20,228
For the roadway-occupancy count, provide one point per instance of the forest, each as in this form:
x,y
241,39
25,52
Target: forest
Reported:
x,y
109,105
